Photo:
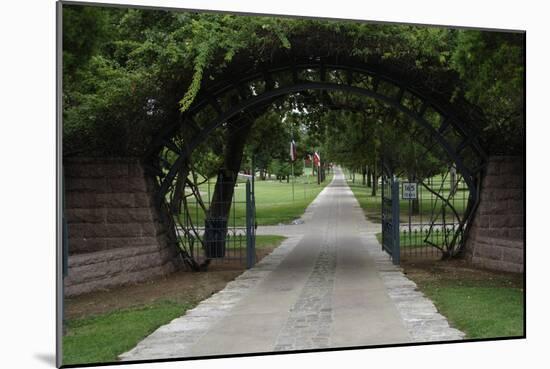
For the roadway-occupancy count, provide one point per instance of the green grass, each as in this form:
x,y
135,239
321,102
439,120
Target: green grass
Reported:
x,y
274,201
266,241
479,308
263,241
102,338
372,205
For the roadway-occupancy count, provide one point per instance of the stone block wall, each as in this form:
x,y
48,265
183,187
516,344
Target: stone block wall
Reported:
x,y
496,239
115,236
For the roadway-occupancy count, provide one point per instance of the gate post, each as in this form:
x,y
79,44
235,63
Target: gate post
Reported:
x,y
382,208
250,237
396,251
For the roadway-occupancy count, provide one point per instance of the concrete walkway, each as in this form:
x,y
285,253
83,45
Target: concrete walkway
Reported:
x,y
327,285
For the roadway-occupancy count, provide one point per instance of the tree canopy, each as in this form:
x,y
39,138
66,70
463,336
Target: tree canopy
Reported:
x,y
129,72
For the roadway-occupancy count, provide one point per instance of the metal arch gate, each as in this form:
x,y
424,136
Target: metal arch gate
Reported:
x,y
390,215
220,102
246,93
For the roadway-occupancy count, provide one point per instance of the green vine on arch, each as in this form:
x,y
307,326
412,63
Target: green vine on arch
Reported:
x,y
123,69
222,38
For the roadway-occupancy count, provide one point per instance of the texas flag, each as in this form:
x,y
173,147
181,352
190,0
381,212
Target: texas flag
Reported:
x,y
317,159
292,151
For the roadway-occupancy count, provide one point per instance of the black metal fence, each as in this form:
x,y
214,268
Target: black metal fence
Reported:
x,y
390,217
432,225
428,222
217,221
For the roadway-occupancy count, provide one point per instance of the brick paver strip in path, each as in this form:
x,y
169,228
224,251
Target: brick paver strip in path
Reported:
x,y
327,285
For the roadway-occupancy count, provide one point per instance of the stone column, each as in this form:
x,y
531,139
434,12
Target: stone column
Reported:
x,y
496,239
115,235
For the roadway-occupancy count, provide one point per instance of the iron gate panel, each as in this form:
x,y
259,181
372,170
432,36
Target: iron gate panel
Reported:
x,y
250,224
429,225
203,238
390,217
434,227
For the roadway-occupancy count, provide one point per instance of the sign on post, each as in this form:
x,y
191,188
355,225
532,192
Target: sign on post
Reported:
x,y
409,191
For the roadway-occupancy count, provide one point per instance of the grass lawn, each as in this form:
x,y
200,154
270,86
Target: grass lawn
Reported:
x,y
102,325
102,338
371,205
482,304
274,200
268,241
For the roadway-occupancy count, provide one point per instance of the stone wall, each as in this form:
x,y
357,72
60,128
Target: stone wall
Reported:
x,y
496,240
115,236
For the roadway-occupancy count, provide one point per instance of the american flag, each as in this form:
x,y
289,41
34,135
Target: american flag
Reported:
x,y
293,150
317,159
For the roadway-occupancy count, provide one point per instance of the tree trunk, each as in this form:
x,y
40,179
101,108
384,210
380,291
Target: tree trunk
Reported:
x,y
318,175
369,175
452,171
364,173
374,182
415,203
415,206
220,205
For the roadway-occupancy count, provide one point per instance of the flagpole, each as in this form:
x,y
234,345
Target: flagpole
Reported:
x,y
307,180
293,178
312,163
292,160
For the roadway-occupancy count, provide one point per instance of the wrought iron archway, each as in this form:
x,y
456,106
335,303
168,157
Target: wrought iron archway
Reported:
x,y
218,104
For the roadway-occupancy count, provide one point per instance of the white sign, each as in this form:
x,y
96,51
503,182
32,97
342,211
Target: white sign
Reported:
x,y
409,191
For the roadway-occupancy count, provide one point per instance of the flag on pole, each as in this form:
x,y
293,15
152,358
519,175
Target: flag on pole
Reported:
x,y
317,159
293,151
